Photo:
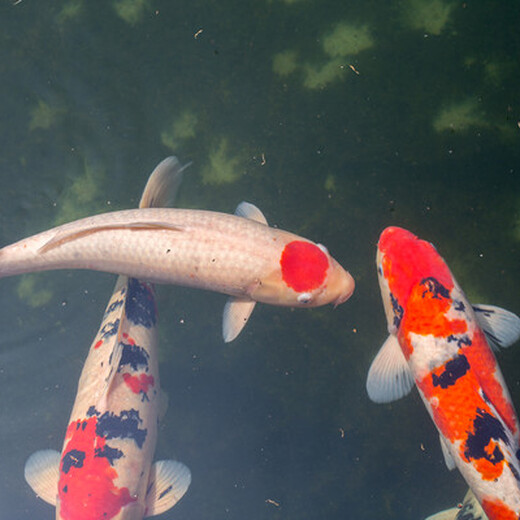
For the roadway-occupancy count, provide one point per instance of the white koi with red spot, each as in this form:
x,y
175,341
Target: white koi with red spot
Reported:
x,y
238,255
439,342
105,468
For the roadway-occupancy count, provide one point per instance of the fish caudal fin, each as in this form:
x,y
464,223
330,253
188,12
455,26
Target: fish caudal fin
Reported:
x,y
163,184
169,481
42,471
448,514
501,327
236,315
389,377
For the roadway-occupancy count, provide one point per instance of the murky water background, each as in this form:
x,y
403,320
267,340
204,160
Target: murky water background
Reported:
x,y
336,119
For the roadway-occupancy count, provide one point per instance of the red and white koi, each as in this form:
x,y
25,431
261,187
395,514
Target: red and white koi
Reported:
x,y
438,341
105,468
238,255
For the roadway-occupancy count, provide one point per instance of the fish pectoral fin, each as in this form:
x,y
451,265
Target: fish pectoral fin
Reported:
x,y
448,459
236,315
389,377
42,472
163,184
69,236
169,481
501,327
250,211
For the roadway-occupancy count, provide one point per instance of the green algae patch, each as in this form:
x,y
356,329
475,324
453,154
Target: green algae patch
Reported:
x,y
347,39
181,130
430,16
285,63
460,117
29,292
44,116
320,77
131,11
222,167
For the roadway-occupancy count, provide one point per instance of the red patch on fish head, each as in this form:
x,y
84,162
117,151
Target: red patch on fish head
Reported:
x,y
304,265
406,260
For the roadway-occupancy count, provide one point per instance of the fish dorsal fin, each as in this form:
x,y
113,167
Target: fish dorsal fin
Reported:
x,y
501,327
163,184
42,472
448,459
250,211
389,377
169,481
236,314
65,236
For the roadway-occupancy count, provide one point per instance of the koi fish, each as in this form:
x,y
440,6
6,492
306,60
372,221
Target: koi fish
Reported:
x,y
105,468
470,509
440,342
238,255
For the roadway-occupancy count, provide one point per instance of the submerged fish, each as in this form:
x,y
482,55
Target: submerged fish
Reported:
x,y
105,468
238,255
438,341
470,509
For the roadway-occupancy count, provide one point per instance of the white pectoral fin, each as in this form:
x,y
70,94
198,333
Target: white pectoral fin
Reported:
x,y
448,459
236,314
169,481
163,184
501,327
448,514
250,211
42,472
389,377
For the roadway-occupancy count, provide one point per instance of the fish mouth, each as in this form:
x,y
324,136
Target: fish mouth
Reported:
x,y
348,289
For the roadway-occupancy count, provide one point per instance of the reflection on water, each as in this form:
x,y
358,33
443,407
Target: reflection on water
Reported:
x,y
336,120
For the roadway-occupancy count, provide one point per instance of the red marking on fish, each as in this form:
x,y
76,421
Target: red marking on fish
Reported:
x,y
139,383
87,491
98,344
304,265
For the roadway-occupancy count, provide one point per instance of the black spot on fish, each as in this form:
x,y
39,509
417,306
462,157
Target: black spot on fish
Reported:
x,y
398,311
134,356
460,340
140,304
165,492
109,329
453,370
109,453
486,427
123,426
113,306
458,305
435,288
92,411
65,489
73,458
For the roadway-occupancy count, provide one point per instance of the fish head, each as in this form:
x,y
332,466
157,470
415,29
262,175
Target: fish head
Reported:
x,y
404,261
308,277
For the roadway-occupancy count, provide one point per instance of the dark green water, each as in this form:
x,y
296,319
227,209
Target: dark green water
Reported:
x,y
416,124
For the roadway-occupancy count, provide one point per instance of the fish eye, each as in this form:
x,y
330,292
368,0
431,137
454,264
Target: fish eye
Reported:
x,y
304,297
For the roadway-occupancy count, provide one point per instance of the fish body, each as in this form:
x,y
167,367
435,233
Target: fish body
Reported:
x,y
105,470
438,341
238,255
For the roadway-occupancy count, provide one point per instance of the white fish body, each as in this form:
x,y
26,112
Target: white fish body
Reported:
x,y
238,255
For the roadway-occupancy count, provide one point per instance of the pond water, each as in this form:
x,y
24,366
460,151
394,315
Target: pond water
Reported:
x,y
337,119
